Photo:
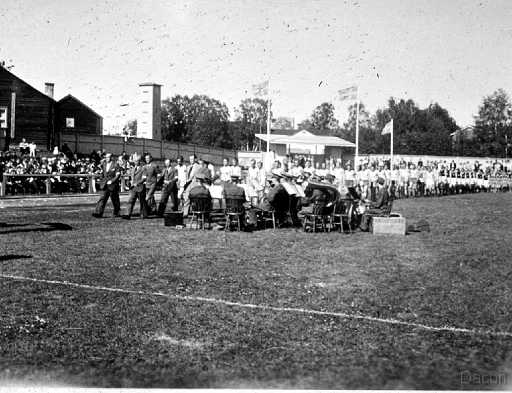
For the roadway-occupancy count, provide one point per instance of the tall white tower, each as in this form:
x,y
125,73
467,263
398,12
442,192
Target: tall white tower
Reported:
x,y
149,122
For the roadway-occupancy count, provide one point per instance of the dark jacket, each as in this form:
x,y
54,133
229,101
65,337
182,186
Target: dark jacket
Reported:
x,y
276,198
382,199
151,174
199,191
168,177
232,191
136,178
112,175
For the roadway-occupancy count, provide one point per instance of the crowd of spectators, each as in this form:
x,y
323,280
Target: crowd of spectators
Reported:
x,y
404,179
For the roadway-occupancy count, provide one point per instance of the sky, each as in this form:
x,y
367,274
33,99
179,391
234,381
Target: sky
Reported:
x,y
451,52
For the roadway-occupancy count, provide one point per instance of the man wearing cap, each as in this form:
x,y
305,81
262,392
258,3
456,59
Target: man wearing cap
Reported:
x,y
109,186
378,207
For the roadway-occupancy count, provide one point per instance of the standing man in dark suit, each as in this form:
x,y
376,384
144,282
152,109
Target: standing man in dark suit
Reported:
x,y
169,177
192,170
137,190
151,170
378,207
109,186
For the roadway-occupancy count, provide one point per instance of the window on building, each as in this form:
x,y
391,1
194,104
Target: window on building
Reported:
x,y
70,122
3,117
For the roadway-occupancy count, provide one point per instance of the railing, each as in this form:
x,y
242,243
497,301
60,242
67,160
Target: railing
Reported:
x,y
91,181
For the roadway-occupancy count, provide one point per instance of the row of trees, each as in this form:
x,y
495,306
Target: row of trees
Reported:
x,y
204,120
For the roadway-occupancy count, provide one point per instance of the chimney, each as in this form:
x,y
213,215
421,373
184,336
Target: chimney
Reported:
x,y
48,89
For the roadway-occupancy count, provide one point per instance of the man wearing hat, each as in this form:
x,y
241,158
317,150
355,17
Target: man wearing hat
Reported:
x,y
198,188
276,197
233,191
378,207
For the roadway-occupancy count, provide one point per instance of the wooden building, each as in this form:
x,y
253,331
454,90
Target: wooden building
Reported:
x,y
25,112
75,116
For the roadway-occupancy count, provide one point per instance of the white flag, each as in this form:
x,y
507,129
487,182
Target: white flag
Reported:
x,y
260,89
349,93
388,128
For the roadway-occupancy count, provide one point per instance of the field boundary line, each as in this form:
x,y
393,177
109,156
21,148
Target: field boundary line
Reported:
x,y
389,321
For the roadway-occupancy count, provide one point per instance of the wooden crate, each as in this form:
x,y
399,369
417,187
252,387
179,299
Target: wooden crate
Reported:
x,y
394,225
173,219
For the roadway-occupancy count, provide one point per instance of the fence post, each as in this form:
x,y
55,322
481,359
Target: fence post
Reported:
x,y
48,186
161,149
91,185
4,184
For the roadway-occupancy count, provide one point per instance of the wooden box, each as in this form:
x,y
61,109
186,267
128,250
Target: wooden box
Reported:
x,y
395,225
173,219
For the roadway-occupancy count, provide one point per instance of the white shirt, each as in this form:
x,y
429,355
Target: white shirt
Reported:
x,y
225,173
236,171
182,175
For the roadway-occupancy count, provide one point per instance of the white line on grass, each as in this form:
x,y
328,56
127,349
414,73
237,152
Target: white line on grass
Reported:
x,y
389,321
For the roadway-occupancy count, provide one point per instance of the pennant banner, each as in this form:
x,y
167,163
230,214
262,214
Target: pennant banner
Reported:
x,y
349,93
260,89
388,128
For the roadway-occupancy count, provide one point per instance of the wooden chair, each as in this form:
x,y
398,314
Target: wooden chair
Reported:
x,y
234,213
349,215
342,212
200,212
316,218
268,216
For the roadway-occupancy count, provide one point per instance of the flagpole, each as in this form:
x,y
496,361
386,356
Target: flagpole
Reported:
x,y
356,158
268,118
391,158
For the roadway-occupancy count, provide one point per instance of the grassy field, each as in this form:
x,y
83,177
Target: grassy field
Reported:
x,y
457,275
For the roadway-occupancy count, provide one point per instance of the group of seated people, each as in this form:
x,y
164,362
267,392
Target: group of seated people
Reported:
x,y
287,197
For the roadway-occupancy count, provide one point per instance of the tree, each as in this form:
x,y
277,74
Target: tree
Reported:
x,y
416,131
367,136
493,124
282,123
323,120
198,119
251,119
305,125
